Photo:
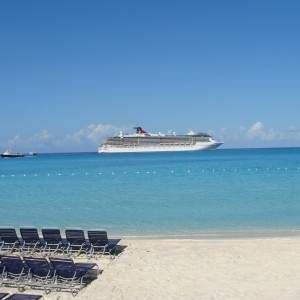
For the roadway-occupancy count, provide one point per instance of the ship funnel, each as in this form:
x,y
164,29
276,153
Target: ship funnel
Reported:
x,y
140,130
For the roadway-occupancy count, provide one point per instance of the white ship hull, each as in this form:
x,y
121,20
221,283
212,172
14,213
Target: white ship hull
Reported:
x,y
142,141
163,148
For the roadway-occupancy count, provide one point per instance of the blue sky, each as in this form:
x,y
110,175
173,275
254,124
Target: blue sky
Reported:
x,y
75,72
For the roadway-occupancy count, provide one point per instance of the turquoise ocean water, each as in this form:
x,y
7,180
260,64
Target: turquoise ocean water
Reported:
x,y
155,193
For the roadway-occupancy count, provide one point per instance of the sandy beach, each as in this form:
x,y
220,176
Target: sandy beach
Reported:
x,y
233,268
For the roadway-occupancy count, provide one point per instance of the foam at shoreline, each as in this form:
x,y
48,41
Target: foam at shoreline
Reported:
x,y
218,234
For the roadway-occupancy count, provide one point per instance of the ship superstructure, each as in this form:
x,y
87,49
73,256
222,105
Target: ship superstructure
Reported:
x,y
142,141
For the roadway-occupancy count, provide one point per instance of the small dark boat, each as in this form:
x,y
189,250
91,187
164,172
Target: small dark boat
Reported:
x,y
10,154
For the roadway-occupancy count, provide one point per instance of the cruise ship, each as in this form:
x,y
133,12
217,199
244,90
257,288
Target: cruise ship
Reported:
x,y
142,141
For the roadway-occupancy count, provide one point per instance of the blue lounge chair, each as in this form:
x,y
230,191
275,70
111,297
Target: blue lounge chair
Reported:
x,y
24,297
76,241
3,295
9,239
41,274
15,271
1,268
31,240
53,241
100,244
2,272
70,275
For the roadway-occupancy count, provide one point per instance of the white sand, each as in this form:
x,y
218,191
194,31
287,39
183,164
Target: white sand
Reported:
x,y
264,268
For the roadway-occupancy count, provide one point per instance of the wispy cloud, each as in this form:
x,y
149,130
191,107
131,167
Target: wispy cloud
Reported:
x,y
92,133
292,133
39,138
259,135
229,135
29,143
87,138
15,140
83,139
258,131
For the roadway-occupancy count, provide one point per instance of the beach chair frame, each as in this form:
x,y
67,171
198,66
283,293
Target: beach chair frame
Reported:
x,y
69,275
31,240
9,240
15,271
100,244
77,243
41,273
53,241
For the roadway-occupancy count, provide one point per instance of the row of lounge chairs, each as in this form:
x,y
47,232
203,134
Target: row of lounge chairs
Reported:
x,y
7,296
46,273
74,243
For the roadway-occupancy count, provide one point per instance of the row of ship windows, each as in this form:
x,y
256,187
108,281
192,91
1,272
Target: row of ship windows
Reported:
x,y
125,141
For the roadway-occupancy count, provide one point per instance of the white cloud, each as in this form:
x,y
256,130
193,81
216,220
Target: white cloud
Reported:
x,y
258,135
82,140
12,142
226,134
16,139
92,133
85,139
292,133
38,140
40,137
258,131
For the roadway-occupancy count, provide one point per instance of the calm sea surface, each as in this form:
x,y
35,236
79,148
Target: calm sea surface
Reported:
x,y
154,193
